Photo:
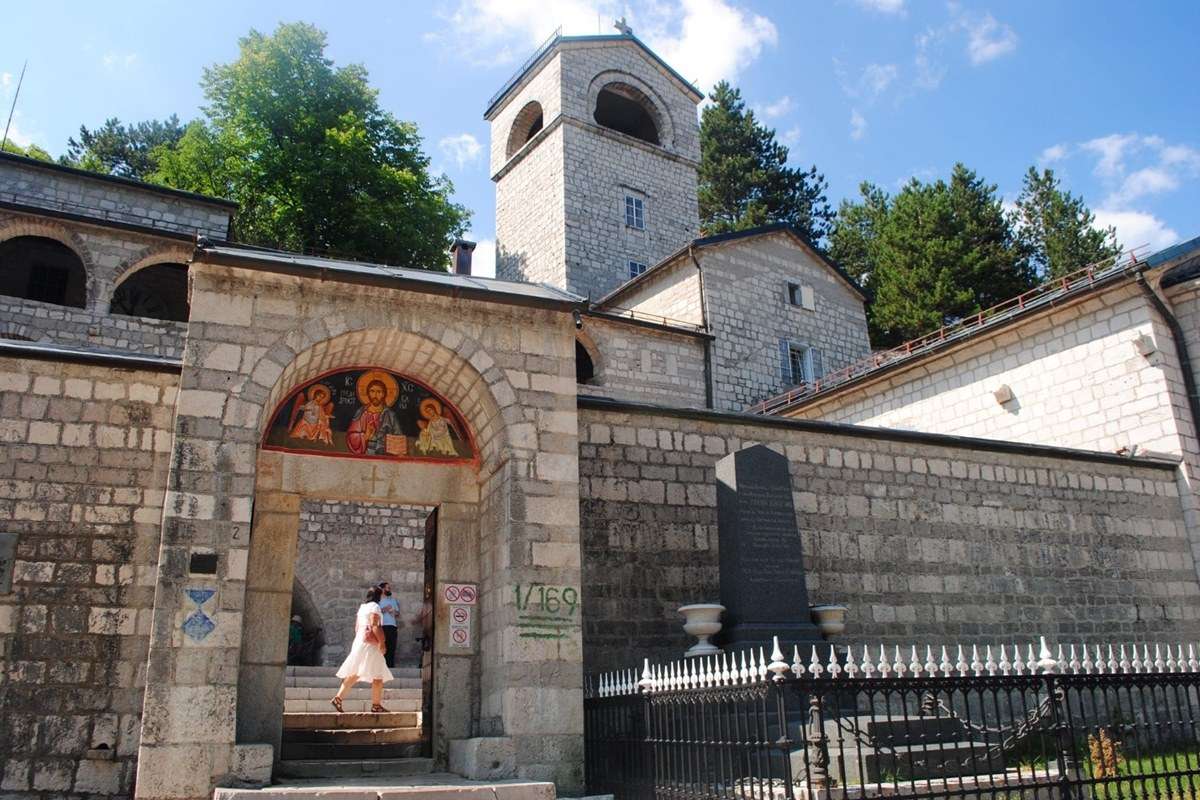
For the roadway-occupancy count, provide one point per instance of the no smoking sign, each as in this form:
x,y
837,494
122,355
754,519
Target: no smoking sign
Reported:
x,y
464,593
460,625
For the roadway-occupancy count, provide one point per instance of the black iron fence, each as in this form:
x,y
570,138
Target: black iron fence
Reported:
x,y
1104,725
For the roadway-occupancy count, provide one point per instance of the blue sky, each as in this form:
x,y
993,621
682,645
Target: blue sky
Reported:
x,y
877,90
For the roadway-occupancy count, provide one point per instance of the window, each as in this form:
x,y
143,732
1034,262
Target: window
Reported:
x,y
585,368
525,126
626,109
799,363
799,295
636,268
40,269
635,212
154,292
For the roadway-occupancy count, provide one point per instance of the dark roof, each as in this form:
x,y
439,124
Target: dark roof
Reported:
x,y
416,280
721,238
541,53
88,355
129,182
1185,270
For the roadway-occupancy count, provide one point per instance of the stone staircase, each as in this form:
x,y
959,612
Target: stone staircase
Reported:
x,y
318,742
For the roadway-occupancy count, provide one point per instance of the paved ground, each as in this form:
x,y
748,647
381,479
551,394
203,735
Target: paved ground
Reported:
x,y
433,786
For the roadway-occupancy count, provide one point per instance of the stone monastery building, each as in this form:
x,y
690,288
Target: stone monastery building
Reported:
x,y
202,439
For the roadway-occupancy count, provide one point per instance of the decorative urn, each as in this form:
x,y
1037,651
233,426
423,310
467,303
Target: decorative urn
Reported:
x,y
830,619
702,620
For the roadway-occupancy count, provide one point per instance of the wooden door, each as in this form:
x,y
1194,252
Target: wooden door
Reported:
x,y
427,632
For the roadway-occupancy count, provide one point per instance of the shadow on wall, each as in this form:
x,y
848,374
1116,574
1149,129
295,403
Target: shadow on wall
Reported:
x,y
309,649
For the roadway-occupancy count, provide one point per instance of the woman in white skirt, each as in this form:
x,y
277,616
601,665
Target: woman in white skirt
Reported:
x,y
366,662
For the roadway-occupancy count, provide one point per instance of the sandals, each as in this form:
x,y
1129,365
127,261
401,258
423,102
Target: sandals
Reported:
x,y
378,709
337,703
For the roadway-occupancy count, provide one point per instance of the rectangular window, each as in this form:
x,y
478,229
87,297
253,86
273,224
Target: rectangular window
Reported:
x,y
799,363
635,212
799,295
636,268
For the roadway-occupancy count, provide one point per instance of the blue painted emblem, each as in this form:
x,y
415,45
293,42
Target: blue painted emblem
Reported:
x,y
198,625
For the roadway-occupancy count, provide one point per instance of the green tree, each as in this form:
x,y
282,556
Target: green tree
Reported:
x,y
933,254
312,160
744,178
1057,229
32,151
124,150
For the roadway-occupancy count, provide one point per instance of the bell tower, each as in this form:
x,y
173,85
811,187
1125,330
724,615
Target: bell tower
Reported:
x,y
594,151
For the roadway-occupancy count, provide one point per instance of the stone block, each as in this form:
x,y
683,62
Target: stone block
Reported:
x,y
98,776
484,758
252,763
174,771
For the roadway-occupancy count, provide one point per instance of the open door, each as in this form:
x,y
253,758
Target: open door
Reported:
x,y
427,633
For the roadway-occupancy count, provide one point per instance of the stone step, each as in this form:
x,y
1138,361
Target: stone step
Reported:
x,y
318,672
336,768
376,786
334,751
360,691
333,682
355,704
350,721
354,736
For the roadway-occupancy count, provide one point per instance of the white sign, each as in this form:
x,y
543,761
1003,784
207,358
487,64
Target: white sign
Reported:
x,y
464,593
460,625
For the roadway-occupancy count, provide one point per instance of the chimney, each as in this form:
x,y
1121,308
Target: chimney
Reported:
x,y
460,256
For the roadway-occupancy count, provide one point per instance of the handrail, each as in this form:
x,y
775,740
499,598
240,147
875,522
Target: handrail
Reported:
x,y
1045,294
529,62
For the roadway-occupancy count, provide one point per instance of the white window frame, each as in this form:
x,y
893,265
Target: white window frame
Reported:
x,y
635,212
801,295
810,360
635,268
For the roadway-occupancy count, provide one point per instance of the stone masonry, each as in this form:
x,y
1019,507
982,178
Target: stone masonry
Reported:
x,y
83,467
926,540
346,547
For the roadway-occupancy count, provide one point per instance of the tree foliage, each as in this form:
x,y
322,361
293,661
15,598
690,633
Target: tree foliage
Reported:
x,y
312,160
745,180
1057,230
124,150
31,151
931,255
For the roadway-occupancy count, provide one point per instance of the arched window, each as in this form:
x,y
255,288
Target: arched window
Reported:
x,y
526,125
37,268
623,108
585,368
157,292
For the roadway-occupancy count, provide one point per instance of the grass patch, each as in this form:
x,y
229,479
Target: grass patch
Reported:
x,y
1137,777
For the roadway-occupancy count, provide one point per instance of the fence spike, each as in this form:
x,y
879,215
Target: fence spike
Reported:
x,y
898,665
1193,665
743,673
868,668
1059,658
884,666
1136,661
1147,664
797,666
989,663
851,669
961,664
777,666
1005,664
814,666
1073,662
930,665
1114,666
1030,661
945,665
976,664
1124,662
914,663
835,669
1159,664
1087,664
1045,662
712,670
762,666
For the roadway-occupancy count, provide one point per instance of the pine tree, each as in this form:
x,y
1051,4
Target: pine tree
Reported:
x,y
1057,230
853,239
119,149
744,178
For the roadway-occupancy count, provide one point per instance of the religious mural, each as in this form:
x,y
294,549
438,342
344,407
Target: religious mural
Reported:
x,y
369,413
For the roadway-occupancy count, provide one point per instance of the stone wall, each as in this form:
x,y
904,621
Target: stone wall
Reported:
x,y
29,182
745,285
346,547
83,470
640,363
672,291
109,257
926,539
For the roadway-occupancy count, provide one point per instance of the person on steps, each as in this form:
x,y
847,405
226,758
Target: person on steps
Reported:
x,y
391,615
365,662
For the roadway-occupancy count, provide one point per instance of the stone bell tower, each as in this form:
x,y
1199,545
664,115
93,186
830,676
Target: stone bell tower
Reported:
x,y
594,150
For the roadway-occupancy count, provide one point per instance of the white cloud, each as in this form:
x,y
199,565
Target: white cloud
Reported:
x,y
791,137
1137,228
705,40
1157,166
1111,150
6,80
777,109
858,125
16,134
883,6
988,39
464,148
1053,154
1150,180
113,60
483,260
929,70
877,77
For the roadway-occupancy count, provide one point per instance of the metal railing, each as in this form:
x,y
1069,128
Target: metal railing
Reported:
x,y
529,62
1042,296
1082,724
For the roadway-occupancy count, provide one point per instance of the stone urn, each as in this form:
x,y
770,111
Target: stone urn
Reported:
x,y
702,620
830,619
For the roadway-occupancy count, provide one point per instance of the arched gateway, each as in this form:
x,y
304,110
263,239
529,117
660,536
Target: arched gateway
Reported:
x,y
366,394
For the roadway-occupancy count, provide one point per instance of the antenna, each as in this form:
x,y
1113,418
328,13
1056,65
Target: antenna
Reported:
x,y
16,94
